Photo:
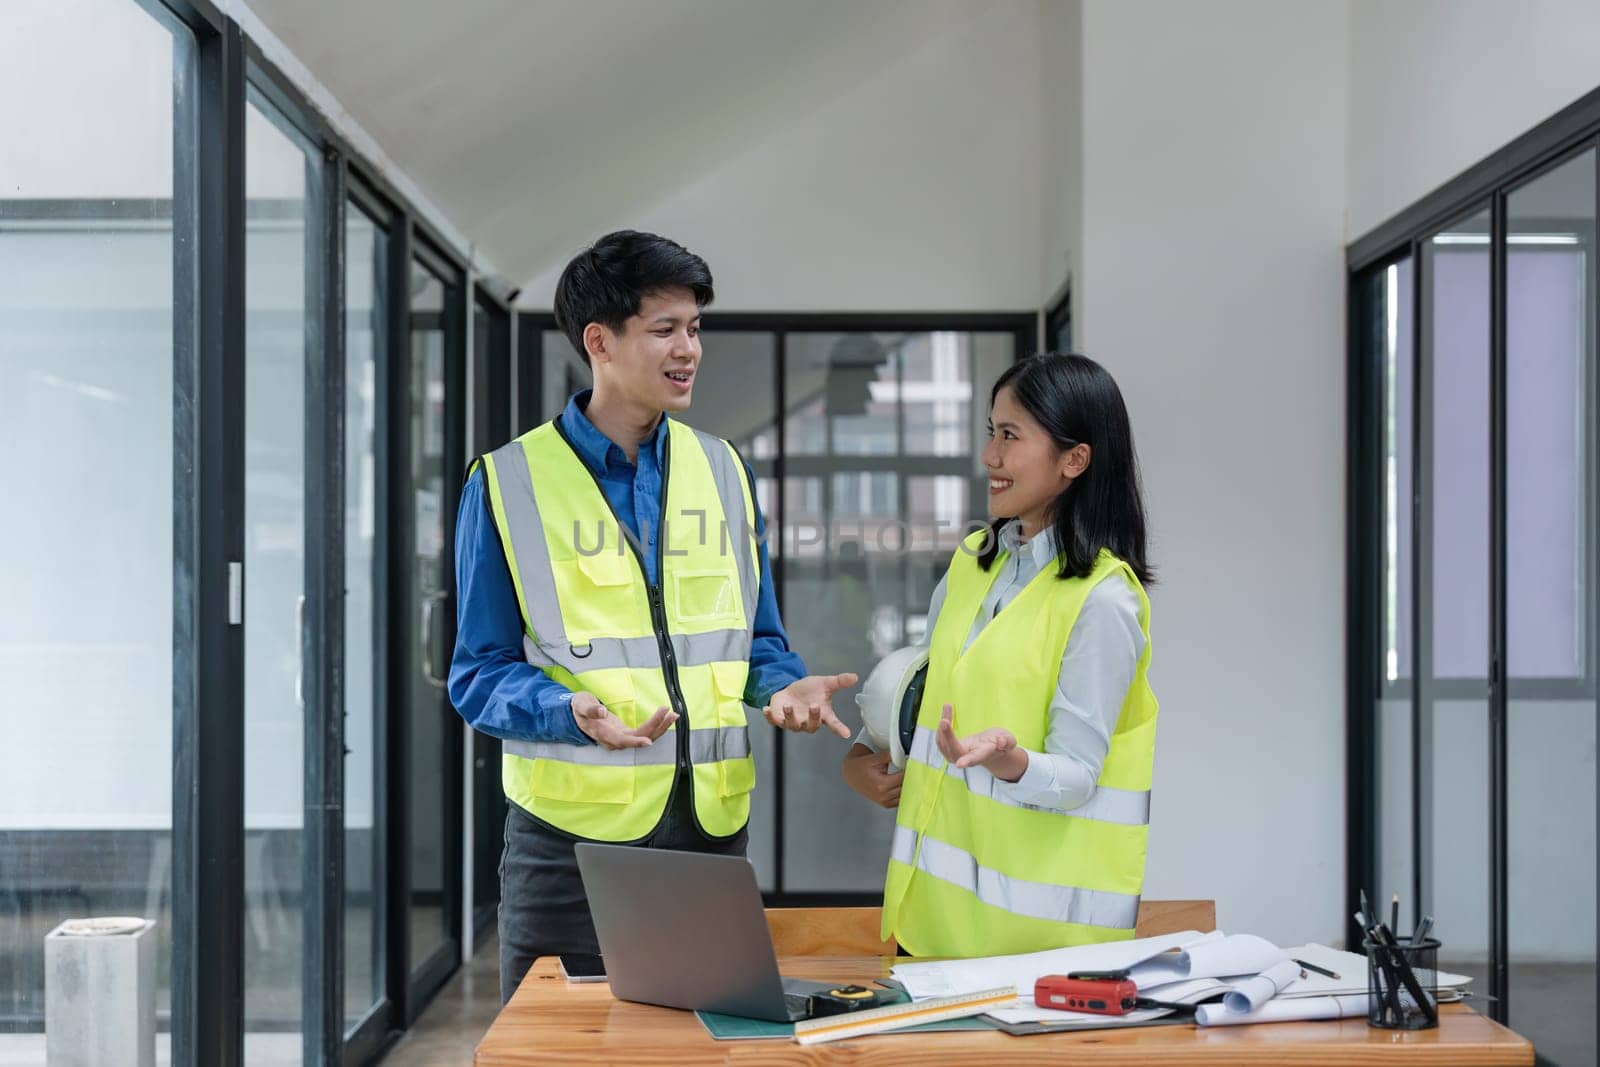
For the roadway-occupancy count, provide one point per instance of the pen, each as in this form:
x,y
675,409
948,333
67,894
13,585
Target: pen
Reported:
x,y
1320,970
1423,929
1394,911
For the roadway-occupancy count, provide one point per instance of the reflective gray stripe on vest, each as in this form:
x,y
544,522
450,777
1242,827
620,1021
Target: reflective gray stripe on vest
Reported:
x,y
705,746
526,532
664,751
1036,900
1125,807
726,742
643,653
730,482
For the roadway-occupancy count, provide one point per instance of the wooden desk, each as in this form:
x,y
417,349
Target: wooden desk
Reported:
x,y
551,1021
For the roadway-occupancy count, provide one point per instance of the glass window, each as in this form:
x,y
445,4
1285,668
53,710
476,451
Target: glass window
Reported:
x,y
736,398
274,567
491,377
1551,786
1387,308
1453,705
86,456
1456,338
434,871
563,373
491,428
366,256
884,433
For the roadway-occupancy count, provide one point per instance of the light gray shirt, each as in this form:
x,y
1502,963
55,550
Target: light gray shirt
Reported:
x,y
1098,666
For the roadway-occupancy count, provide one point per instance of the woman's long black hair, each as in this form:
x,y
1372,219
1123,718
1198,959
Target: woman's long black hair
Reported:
x,y
1077,401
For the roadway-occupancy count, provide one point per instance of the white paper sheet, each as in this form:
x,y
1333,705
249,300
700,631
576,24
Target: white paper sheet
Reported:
x,y
1220,957
951,977
1352,971
1283,1010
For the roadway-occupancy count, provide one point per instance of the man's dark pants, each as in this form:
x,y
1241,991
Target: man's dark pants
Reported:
x,y
543,909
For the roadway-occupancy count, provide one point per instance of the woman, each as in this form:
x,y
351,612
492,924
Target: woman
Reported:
x,y
1024,809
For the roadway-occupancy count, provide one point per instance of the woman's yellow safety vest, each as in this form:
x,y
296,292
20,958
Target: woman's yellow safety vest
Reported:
x,y
592,622
972,872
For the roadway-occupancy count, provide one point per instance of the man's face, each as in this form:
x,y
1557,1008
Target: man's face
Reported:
x,y
652,362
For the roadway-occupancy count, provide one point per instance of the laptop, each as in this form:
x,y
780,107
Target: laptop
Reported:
x,y
686,930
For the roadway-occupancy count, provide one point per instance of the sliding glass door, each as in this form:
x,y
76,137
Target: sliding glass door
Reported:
x,y
1473,612
429,414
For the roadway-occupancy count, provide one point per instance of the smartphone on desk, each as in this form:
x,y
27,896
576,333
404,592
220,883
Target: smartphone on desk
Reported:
x,y
579,967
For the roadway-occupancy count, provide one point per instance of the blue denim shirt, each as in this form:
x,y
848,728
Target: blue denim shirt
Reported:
x,y
492,686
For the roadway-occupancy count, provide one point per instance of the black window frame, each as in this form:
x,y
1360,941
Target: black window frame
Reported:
x,y
217,66
1489,183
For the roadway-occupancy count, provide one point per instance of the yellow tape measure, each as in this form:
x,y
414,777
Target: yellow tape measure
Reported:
x,y
899,1016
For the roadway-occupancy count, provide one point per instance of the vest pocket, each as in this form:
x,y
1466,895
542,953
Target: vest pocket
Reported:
x,y
577,783
609,777
703,595
597,593
737,776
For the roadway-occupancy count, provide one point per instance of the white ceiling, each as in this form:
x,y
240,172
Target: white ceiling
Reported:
x,y
532,123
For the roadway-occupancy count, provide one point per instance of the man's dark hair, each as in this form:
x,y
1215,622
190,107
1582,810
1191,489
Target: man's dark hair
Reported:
x,y
607,282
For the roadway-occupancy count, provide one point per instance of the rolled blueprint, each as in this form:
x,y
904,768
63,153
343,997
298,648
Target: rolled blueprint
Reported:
x,y
1250,994
1285,1010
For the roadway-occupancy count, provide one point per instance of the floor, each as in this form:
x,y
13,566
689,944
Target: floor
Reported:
x,y
451,1027
1552,1004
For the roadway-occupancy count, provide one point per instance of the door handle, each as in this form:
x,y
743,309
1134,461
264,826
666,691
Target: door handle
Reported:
x,y
430,605
300,650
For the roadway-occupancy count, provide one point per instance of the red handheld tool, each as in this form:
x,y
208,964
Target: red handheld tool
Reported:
x,y
1109,994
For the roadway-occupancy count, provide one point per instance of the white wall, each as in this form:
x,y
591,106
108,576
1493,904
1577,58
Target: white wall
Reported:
x,y
916,187
1213,195
83,82
1437,85
1061,145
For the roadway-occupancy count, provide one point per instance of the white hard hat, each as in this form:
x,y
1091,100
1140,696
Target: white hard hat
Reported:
x,y
889,698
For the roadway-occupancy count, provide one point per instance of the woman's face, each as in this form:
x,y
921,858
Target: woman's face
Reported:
x,y
1026,469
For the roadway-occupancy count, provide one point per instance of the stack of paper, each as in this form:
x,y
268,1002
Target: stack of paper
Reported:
x,y
1232,979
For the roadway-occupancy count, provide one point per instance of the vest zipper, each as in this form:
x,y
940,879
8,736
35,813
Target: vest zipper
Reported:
x,y
658,619
658,606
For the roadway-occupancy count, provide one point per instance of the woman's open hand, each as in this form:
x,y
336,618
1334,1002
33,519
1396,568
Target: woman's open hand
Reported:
x,y
994,749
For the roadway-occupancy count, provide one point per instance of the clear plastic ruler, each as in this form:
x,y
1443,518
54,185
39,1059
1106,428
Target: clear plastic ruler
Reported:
x,y
899,1016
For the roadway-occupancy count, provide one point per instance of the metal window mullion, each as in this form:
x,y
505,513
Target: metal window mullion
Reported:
x,y
779,567
475,444
322,637
208,543
457,346
395,547
1499,971
1364,408
1424,691
370,1033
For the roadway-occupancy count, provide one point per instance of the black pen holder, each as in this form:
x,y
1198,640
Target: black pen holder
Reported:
x,y
1396,976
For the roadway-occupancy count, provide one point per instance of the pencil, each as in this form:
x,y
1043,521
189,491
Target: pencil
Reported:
x,y
1320,970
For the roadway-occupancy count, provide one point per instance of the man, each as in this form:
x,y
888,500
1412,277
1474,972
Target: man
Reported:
x,y
616,609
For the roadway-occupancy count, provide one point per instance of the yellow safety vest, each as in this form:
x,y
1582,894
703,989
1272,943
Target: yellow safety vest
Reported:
x,y
592,622
972,872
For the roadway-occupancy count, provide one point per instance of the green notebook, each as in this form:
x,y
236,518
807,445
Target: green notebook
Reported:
x,y
738,1028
